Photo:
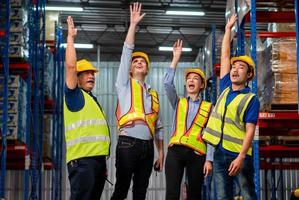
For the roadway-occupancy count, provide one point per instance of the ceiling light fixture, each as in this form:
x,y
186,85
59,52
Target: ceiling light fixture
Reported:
x,y
80,46
59,8
181,12
161,48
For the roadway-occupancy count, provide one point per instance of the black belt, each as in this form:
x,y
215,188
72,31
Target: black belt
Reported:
x,y
136,140
97,158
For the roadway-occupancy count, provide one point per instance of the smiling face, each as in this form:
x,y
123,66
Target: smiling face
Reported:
x,y
194,84
138,66
240,73
86,80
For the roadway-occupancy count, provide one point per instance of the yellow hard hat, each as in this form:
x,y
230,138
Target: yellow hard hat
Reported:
x,y
247,60
296,192
84,65
197,71
142,55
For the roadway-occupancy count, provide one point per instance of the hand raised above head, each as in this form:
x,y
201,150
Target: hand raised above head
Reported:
x,y
231,21
72,31
135,16
177,48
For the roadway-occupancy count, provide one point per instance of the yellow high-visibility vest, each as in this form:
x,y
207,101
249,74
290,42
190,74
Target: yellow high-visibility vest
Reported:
x,y
136,111
86,131
227,122
191,137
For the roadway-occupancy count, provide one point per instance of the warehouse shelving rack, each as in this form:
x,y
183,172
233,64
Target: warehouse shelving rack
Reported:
x,y
5,52
27,155
274,122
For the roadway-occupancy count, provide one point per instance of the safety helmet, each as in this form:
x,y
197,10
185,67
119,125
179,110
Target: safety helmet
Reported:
x,y
247,60
142,55
197,71
84,65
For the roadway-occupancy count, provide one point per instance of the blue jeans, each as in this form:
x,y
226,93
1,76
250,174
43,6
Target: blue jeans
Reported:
x,y
134,158
224,183
87,177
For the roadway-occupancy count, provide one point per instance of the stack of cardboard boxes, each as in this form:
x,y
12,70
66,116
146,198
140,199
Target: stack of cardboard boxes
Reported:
x,y
284,67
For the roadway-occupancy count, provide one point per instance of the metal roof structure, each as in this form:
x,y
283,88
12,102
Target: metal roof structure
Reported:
x,y
104,23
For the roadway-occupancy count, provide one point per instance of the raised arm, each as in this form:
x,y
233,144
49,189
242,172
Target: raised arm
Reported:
x,y
125,62
70,56
177,51
168,79
225,48
135,18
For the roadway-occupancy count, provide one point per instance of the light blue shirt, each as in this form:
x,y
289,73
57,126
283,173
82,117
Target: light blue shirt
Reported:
x,y
139,130
192,109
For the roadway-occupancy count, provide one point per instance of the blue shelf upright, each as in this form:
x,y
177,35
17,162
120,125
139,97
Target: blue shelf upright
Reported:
x,y
35,100
57,126
256,156
5,60
27,172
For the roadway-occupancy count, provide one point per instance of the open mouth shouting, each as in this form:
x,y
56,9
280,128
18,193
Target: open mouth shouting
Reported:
x,y
191,86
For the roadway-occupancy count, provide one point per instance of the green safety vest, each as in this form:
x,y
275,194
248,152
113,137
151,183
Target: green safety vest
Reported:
x,y
191,137
227,121
86,131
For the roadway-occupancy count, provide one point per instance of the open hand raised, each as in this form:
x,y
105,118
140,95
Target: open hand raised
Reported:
x,y
72,31
135,16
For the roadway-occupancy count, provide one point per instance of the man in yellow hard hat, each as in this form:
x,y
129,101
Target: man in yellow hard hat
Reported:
x,y
138,119
231,126
86,129
186,149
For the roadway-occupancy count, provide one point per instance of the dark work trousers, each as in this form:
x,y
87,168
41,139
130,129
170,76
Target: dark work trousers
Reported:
x,y
87,177
134,159
178,158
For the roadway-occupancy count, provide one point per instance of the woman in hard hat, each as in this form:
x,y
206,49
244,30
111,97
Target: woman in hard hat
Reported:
x,y
231,126
186,149
138,119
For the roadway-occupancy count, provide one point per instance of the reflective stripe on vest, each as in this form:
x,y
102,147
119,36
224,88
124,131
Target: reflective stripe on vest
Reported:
x,y
233,128
86,131
192,136
136,112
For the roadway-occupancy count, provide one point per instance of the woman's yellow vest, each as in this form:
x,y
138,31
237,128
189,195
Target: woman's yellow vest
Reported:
x,y
191,137
136,111
86,131
226,122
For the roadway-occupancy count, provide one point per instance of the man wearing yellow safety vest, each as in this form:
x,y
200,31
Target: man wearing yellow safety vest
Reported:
x,y
231,126
137,117
186,148
86,129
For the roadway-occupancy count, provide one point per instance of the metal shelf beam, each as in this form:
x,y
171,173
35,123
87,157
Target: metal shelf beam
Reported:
x,y
279,151
273,17
273,34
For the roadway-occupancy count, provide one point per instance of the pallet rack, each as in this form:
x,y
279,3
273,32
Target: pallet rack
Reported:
x,y
26,157
5,51
274,123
